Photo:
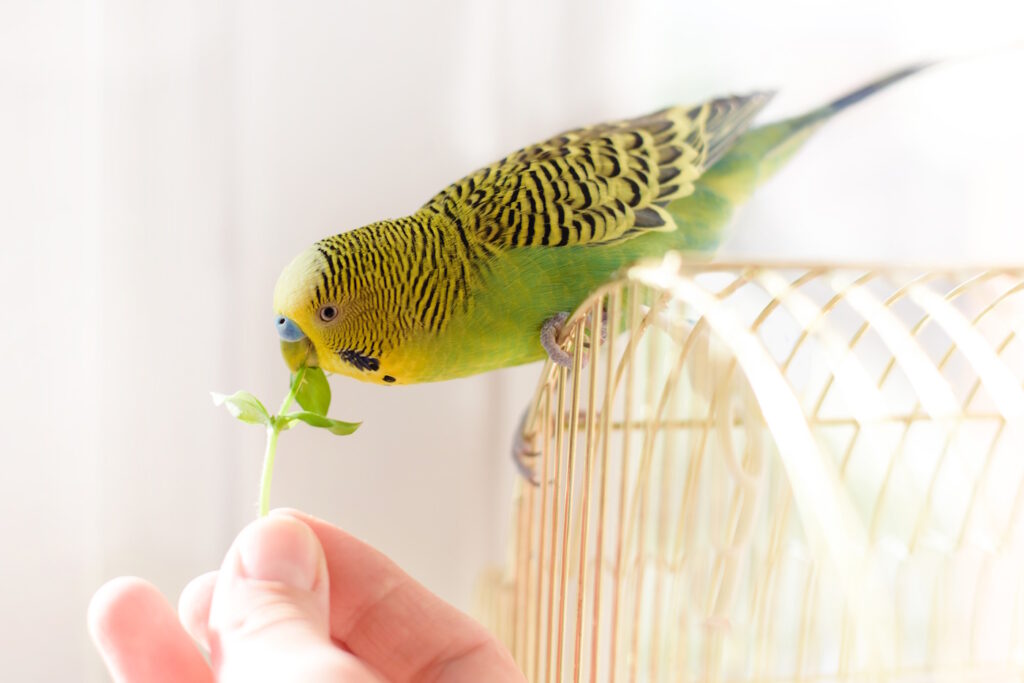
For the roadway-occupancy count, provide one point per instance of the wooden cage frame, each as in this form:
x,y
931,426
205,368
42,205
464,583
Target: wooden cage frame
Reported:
x,y
775,472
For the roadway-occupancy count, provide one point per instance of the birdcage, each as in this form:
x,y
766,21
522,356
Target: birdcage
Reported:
x,y
775,473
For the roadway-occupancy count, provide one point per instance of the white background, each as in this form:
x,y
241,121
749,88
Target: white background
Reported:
x,y
161,161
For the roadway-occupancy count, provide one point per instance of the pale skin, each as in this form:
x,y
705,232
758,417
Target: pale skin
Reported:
x,y
296,599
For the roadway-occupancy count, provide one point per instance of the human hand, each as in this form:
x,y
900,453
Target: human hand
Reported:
x,y
296,599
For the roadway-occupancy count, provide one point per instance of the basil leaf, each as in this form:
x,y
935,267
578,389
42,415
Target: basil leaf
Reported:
x,y
312,419
314,393
243,406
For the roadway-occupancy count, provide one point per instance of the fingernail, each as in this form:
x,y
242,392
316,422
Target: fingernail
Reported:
x,y
280,549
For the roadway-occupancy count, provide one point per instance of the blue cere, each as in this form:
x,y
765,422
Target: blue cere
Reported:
x,y
288,330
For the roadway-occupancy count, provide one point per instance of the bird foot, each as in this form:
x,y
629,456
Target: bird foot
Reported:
x,y
549,333
525,451
551,330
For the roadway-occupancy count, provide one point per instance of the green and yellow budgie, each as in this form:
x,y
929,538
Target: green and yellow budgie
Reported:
x,y
483,274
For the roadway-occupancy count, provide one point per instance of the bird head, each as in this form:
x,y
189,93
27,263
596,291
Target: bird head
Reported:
x,y
324,317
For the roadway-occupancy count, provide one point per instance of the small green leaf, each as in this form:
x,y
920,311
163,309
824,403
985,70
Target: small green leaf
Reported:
x,y
314,420
243,406
314,393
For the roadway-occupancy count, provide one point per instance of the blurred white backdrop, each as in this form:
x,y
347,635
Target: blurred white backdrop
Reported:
x,y
160,162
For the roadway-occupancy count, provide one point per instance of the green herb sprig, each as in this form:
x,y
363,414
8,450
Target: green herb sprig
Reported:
x,y
309,388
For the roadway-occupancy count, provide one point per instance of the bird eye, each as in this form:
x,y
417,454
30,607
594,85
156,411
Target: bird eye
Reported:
x,y
328,313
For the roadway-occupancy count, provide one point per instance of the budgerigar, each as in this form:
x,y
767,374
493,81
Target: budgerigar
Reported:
x,y
480,276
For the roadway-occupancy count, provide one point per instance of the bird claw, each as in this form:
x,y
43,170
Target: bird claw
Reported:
x,y
549,333
551,330
525,452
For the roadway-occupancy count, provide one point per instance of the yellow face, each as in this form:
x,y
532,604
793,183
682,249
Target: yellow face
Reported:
x,y
320,327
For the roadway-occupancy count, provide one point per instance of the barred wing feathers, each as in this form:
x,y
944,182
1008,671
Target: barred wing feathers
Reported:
x,y
596,185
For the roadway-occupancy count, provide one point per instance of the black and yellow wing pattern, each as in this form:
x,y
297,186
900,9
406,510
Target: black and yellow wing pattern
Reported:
x,y
597,185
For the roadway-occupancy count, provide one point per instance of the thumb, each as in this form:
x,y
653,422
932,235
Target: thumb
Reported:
x,y
269,618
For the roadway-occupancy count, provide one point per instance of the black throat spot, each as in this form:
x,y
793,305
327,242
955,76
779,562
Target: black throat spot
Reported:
x,y
359,360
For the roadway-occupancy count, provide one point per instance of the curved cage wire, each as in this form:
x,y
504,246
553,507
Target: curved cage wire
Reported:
x,y
775,473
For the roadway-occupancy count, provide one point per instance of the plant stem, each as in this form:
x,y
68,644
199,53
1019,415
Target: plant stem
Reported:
x,y
268,469
272,433
293,391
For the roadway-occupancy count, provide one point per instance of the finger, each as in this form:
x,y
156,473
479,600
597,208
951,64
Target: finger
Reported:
x,y
396,625
268,616
194,607
139,636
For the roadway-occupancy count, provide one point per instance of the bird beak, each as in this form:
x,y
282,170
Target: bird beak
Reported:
x,y
299,353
